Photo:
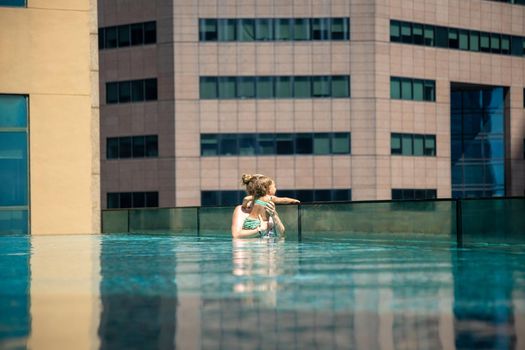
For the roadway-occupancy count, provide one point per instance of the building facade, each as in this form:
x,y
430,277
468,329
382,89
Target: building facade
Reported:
x,y
335,99
49,117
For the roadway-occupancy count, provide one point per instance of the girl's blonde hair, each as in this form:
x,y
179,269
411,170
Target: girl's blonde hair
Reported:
x,y
257,185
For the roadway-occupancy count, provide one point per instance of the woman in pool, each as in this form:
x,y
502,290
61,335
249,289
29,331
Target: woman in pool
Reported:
x,y
242,212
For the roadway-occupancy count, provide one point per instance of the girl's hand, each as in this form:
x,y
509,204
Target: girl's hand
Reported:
x,y
296,201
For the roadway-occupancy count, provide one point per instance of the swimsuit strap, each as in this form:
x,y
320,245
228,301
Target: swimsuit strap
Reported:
x,y
260,202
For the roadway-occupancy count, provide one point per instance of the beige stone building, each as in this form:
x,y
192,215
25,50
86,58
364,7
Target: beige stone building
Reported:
x,y
49,117
334,99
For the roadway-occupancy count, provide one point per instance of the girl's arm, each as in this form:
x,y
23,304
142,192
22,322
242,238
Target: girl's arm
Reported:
x,y
237,222
246,202
284,200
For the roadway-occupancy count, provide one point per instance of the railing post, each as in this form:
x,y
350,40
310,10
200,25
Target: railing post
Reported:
x,y
299,219
459,223
198,221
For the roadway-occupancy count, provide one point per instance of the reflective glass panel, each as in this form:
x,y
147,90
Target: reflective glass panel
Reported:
x,y
208,88
340,29
264,87
283,87
124,91
284,143
321,29
150,87
283,29
152,146
150,33
13,111
341,143
321,144
302,29
340,86
321,86
302,87
227,29
137,90
246,87
264,29
227,87
395,88
124,38
14,169
137,34
246,30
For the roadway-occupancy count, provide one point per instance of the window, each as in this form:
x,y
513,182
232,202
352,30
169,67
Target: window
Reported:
x,y
150,86
340,86
263,29
14,161
226,29
395,31
283,87
270,29
417,32
301,29
340,29
249,87
321,87
283,29
131,91
150,32
227,87
413,145
412,89
208,88
246,30
456,38
453,38
128,35
302,87
264,87
321,29
124,200
267,144
413,194
246,87
208,30
132,147
137,34
13,3
124,36
406,33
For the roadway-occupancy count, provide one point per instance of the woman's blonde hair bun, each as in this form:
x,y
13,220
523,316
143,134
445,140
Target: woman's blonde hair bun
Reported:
x,y
246,178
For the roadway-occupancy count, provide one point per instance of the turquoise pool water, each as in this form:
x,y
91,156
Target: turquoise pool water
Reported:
x,y
167,292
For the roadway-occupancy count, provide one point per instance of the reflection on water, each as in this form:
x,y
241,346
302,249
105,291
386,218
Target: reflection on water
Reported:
x,y
166,292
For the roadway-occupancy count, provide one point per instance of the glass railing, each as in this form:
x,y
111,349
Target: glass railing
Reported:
x,y
500,220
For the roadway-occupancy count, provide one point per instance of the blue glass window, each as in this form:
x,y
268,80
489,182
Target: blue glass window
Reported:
x,y
274,144
262,87
13,3
14,174
477,140
456,38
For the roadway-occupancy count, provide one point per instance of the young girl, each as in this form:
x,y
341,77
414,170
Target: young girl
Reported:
x,y
262,191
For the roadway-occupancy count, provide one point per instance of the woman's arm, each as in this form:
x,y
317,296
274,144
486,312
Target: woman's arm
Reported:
x,y
278,224
238,220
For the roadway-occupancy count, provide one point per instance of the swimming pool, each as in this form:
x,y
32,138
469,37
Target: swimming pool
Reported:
x,y
153,291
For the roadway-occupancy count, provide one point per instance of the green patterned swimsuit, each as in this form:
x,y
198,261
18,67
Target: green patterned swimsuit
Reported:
x,y
251,223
